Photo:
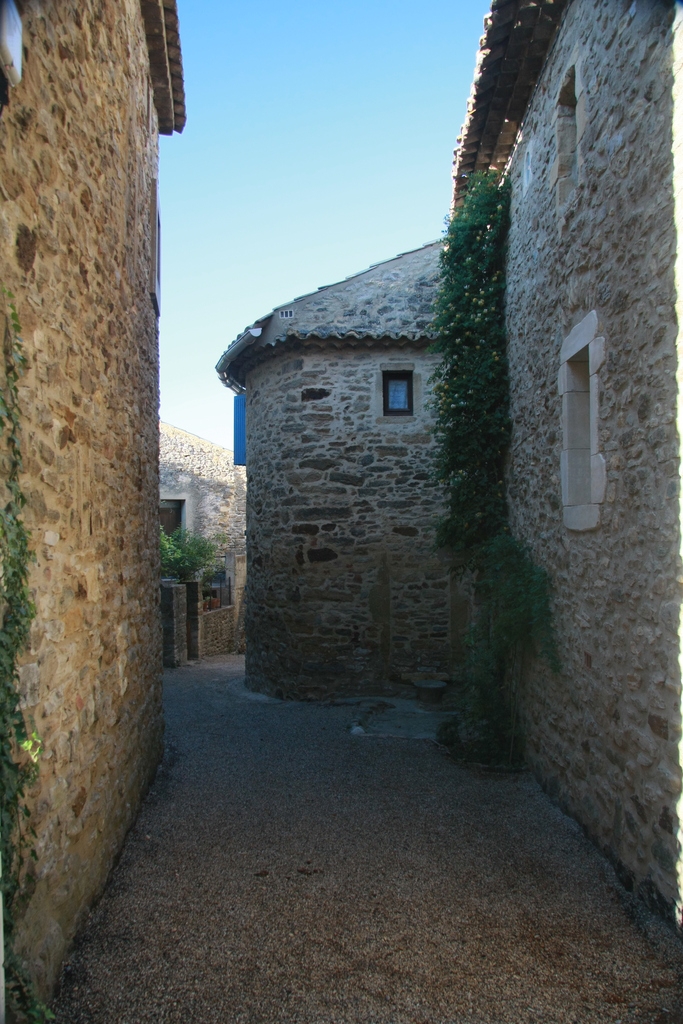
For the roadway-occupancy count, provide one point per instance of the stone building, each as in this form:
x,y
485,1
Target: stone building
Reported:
x,y
580,102
79,250
201,488
345,592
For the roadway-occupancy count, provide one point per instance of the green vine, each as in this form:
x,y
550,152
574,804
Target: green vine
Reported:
x,y
513,618
471,388
19,750
471,382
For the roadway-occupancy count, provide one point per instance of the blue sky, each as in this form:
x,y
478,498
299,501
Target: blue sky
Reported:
x,y
319,140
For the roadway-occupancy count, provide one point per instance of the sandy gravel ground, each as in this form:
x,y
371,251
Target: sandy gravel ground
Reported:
x,y
283,869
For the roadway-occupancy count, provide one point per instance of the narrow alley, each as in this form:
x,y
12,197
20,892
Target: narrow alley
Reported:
x,y
286,869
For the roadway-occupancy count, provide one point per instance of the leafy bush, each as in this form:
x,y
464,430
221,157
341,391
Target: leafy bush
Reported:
x,y
187,556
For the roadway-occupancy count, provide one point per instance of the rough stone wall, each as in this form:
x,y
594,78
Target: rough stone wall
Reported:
x,y
604,734
218,631
174,624
344,590
194,620
240,604
78,156
205,477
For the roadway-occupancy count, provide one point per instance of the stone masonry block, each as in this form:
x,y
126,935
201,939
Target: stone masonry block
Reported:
x,y
581,517
580,336
575,475
596,354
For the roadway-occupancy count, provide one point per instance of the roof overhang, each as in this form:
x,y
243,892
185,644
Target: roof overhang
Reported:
x,y
228,366
518,35
390,304
246,352
160,18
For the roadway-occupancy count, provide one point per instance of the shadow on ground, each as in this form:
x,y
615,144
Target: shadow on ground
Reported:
x,y
287,867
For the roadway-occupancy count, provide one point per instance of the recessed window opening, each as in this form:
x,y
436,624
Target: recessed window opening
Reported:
x,y
170,515
286,314
566,138
584,470
398,392
576,456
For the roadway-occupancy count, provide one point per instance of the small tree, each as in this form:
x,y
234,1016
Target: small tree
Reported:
x,y
187,556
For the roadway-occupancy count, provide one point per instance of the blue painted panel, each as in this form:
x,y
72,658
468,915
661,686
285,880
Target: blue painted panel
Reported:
x,y
240,430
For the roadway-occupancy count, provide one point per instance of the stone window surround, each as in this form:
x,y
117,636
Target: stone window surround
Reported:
x,y
187,510
583,468
398,366
564,178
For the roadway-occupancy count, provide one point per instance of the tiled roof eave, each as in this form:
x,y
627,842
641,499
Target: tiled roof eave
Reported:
x,y
160,18
234,373
351,336
518,35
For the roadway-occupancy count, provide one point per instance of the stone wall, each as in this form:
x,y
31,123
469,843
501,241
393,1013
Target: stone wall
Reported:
x,y
190,631
195,626
240,603
174,624
218,631
204,476
593,231
78,159
344,590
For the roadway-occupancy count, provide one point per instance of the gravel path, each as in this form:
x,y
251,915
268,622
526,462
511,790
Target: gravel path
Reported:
x,y
285,870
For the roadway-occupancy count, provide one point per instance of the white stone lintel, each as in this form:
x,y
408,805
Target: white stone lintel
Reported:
x,y
579,337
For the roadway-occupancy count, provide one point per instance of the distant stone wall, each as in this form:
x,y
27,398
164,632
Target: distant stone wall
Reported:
x,y
593,230
78,159
218,629
204,476
345,593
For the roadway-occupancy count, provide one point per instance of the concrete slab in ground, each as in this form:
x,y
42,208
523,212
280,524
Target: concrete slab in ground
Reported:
x,y
395,716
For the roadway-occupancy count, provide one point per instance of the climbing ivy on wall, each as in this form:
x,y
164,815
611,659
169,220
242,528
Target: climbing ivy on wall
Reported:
x,y
471,389
471,382
19,750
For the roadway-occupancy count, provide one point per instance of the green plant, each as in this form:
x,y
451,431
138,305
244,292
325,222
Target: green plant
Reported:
x,y
187,556
19,750
512,613
471,382
513,620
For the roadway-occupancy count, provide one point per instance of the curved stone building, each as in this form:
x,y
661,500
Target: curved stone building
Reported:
x,y
345,591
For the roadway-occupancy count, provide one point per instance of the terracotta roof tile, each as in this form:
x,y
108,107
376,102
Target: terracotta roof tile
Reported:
x,y
517,37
